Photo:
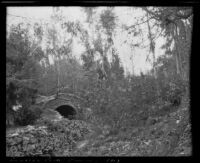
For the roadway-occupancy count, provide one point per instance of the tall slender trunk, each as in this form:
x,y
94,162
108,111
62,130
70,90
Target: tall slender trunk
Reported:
x,y
177,54
152,46
58,72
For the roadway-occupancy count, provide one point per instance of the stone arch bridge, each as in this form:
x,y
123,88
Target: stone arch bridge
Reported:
x,y
68,105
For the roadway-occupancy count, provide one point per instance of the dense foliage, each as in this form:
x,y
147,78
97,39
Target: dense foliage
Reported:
x,y
142,114
51,139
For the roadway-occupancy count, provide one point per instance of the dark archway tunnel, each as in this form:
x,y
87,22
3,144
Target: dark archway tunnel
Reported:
x,y
67,111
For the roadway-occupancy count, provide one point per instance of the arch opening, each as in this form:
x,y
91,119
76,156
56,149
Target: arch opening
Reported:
x,y
67,111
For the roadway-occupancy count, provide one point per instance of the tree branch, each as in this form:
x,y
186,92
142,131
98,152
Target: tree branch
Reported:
x,y
184,16
155,16
159,17
132,26
154,39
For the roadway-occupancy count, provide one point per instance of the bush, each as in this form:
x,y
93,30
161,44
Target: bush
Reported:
x,y
172,90
50,140
27,116
74,128
36,142
176,92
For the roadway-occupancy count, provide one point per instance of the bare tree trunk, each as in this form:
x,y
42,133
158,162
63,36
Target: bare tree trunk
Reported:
x,y
152,46
152,50
58,72
178,71
177,54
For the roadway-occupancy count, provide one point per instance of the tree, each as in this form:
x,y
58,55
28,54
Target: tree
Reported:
x,y
23,71
90,11
175,21
117,71
60,47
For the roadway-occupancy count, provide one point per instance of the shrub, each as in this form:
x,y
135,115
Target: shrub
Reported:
x,y
37,142
51,140
175,92
27,116
172,89
76,129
